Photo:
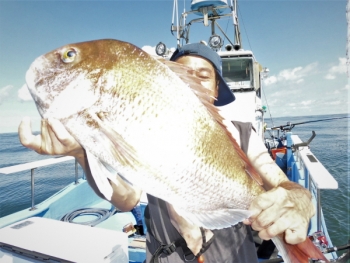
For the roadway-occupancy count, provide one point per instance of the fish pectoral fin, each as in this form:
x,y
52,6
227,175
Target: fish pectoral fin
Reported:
x,y
114,143
216,219
102,175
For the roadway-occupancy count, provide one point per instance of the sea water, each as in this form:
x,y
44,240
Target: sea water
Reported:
x,y
330,146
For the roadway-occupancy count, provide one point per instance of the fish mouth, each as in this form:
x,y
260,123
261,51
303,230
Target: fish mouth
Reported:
x,y
36,84
56,89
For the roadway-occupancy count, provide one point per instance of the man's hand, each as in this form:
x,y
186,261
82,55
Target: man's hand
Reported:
x,y
53,140
56,140
284,209
191,233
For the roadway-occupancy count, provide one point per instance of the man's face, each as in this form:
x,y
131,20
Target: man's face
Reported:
x,y
203,69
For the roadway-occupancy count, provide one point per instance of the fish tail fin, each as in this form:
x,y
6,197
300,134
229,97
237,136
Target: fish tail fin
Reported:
x,y
299,253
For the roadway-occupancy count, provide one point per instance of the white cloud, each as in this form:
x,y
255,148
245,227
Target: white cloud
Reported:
x,y
283,93
302,104
343,90
270,80
301,91
290,74
4,92
337,102
338,69
150,50
23,94
295,75
307,102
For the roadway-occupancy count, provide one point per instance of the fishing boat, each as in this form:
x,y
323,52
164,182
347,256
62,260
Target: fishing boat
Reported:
x,y
75,225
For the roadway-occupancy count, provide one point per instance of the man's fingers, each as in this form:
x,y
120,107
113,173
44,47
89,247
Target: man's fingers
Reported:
x,y
62,141
275,228
294,229
48,139
26,136
65,139
295,236
264,202
265,219
54,139
59,130
247,221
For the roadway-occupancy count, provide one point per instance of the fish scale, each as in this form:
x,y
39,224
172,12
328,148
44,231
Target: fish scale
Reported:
x,y
154,131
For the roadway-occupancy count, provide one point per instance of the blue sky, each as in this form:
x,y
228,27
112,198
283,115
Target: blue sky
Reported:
x,y
302,42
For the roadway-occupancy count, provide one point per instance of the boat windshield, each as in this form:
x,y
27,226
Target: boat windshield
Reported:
x,y
238,72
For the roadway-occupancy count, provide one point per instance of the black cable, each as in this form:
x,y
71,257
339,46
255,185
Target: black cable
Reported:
x,y
100,214
267,104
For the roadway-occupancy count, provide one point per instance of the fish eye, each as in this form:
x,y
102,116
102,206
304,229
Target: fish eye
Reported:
x,y
69,55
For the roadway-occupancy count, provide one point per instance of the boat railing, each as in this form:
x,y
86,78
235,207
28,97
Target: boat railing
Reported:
x,y
303,165
36,164
214,9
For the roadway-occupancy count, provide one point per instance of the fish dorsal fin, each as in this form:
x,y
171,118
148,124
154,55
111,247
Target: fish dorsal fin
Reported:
x,y
250,170
204,96
185,73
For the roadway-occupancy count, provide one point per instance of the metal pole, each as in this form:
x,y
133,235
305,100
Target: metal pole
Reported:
x,y
32,188
289,154
76,171
213,27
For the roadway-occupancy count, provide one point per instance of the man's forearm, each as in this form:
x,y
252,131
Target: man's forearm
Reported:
x,y
124,196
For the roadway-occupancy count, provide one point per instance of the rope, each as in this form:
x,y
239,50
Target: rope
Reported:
x,y
263,90
241,18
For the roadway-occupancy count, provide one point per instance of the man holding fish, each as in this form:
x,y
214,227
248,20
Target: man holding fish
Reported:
x,y
285,207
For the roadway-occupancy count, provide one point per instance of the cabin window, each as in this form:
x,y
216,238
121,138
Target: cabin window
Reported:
x,y
238,72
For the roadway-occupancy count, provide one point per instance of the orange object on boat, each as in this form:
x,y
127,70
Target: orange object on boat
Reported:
x,y
278,150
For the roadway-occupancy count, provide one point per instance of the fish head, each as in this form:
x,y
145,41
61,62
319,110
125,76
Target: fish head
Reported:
x,y
72,78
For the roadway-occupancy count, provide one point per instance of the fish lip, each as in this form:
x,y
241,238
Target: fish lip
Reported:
x,y
33,82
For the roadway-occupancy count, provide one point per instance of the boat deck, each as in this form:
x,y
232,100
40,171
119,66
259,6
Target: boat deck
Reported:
x,y
59,204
